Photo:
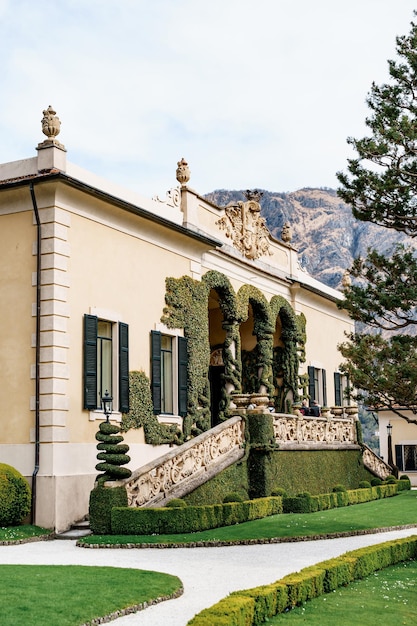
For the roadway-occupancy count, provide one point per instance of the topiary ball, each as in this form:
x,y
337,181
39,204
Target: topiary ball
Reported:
x,y
376,481
232,497
337,488
364,484
390,480
404,477
15,496
279,492
176,503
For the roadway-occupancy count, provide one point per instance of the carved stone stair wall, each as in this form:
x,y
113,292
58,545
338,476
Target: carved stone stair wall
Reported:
x,y
375,464
185,468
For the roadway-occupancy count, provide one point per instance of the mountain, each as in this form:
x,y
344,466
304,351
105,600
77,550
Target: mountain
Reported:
x,y
324,230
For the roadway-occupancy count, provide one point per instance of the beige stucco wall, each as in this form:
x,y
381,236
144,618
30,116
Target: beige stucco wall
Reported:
x,y
403,433
325,328
17,236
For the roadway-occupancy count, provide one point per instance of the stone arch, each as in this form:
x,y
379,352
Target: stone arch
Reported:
x,y
224,338
256,319
285,363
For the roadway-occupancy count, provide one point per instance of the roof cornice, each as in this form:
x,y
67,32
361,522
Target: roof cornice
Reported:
x,y
59,176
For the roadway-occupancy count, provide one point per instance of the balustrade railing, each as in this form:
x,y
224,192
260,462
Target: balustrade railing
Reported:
x,y
181,470
314,430
374,463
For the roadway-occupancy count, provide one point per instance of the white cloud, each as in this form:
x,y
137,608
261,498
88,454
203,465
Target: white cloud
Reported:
x,y
251,94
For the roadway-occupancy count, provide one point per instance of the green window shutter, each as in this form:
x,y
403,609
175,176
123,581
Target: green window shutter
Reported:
x,y
90,362
323,380
123,367
337,389
156,370
311,386
182,376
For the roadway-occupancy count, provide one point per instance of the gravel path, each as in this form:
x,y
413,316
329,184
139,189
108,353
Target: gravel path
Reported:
x,y
208,574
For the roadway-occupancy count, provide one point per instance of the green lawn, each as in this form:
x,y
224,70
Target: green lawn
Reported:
x,y
71,595
388,596
16,533
399,510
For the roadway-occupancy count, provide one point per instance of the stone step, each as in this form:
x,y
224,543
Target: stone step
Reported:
x,y
77,530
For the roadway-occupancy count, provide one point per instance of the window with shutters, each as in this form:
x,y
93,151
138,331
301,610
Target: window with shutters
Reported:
x,y
169,374
341,384
317,389
106,363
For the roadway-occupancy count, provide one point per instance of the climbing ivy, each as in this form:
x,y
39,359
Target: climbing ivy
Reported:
x,y
263,330
187,308
286,359
141,413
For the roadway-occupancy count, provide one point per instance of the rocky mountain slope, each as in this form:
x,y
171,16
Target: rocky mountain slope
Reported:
x,y
324,230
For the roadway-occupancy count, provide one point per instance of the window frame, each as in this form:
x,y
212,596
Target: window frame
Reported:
x,y
179,372
400,457
317,386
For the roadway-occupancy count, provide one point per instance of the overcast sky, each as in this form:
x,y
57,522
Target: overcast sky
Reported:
x,y
253,93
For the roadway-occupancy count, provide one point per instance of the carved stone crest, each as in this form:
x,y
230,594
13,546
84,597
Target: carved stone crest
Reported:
x,y
243,223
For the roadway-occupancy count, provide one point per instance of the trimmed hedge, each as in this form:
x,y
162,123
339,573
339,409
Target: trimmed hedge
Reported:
x,y
148,521
123,520
306,503
255,606
102,501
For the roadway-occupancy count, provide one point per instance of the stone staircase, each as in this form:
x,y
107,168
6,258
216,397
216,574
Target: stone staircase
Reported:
x,y
78,530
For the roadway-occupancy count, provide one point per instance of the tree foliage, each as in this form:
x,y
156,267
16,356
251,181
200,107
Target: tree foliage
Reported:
x,y
381,187
385,193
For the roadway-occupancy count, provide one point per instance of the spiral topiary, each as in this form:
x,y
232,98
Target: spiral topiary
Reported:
x,y
114,454
15,496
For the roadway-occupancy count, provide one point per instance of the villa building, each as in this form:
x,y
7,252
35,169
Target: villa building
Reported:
x,y
97,283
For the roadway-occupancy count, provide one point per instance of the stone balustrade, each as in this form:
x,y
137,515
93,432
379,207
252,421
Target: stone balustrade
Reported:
x,y
375,464
183,469
314,430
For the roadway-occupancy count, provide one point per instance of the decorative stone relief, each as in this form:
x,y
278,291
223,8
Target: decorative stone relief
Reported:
x,y
313,430
286,233
216,357
243,223
375,464
197,458
173,198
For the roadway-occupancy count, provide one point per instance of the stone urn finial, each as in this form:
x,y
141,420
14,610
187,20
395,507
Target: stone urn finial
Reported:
x,y
286,233
183,172
51,124
51,127
346,280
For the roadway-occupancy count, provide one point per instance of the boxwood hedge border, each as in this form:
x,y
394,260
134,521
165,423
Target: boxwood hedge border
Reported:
x,y
255,606
147,521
